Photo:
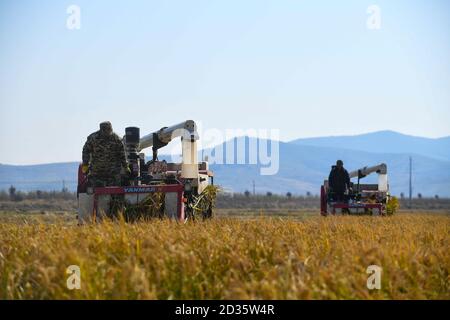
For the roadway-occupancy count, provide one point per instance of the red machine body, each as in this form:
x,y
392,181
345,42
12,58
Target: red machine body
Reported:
x,y
177,188
144,189
328,206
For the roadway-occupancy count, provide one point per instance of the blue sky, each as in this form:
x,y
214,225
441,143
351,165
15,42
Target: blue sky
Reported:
x,y
307,68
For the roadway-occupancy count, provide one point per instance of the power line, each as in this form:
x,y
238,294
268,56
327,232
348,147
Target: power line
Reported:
x,y
410,182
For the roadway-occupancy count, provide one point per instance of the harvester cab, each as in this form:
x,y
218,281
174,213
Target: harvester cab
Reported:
x,y
360,198
153,188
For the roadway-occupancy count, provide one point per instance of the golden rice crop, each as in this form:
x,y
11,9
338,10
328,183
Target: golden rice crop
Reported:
x,y
263,258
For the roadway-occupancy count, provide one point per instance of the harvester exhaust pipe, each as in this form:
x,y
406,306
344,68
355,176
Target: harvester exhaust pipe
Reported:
x,y
132,138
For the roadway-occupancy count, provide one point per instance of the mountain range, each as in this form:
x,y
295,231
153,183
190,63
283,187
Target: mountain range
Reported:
x,y
303,165
385,142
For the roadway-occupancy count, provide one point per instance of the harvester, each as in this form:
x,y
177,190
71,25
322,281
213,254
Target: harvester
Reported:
x,y
360,198
153,188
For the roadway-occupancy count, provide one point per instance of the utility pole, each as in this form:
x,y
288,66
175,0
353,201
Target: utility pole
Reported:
x,y
410,181
254,188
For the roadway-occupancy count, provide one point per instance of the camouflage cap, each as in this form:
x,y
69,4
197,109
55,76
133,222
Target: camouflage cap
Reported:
x,y
106,126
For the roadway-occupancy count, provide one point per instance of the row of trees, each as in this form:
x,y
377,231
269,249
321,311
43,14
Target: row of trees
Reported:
x,y
308,195
419,195
270,194
14,195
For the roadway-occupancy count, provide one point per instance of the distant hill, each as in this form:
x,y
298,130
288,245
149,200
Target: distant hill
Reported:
x,y
303,166
385,142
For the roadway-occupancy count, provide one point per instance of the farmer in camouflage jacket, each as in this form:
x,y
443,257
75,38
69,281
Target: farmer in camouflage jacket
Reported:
x,y
104,157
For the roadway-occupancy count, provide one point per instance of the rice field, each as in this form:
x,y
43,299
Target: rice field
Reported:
x,y
226,258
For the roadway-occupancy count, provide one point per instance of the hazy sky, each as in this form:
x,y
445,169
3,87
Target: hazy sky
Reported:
x,y
307,68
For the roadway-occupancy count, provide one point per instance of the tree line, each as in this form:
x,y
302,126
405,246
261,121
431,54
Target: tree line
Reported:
x,y
14,195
